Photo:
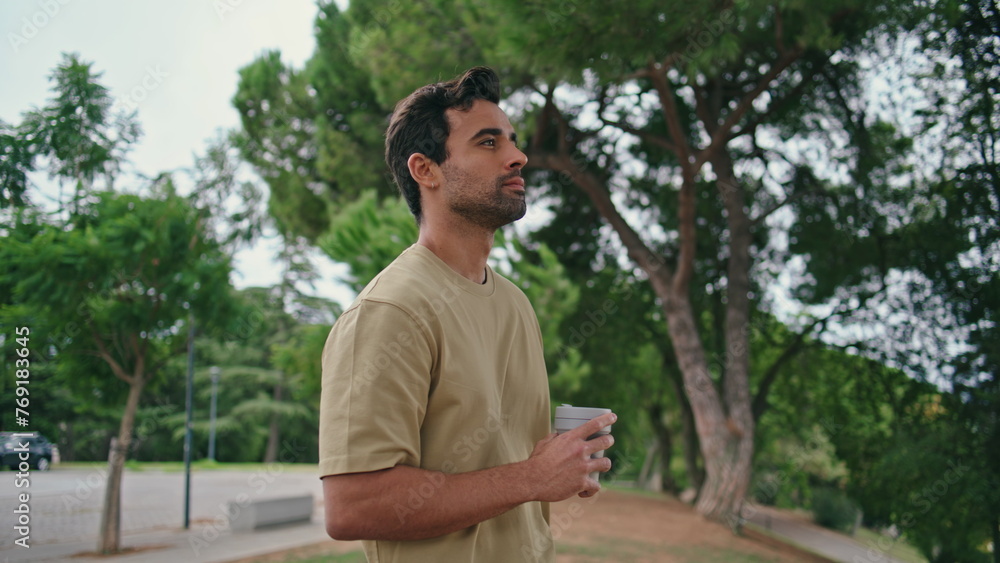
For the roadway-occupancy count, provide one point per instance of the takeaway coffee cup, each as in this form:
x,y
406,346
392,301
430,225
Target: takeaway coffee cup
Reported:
x,y
569,417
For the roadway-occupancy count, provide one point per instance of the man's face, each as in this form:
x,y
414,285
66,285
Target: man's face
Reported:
x,y
482,175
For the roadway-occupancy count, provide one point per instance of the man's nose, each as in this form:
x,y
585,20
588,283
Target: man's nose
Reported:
x,y
518,160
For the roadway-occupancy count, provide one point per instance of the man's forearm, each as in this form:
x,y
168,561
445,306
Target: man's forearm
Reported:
x,y
407,503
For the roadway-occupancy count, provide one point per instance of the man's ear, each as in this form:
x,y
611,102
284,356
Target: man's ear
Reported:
x,y
425,171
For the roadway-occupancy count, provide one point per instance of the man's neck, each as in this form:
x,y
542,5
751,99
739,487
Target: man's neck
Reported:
x,y
465,252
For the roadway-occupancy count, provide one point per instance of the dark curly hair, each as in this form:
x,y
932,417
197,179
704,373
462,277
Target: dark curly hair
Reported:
x,y
419,125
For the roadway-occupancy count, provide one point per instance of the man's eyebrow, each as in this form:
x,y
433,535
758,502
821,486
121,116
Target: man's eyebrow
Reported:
x,y
493,131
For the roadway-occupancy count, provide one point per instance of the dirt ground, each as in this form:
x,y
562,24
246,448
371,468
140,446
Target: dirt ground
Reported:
x,y
624,526
639,527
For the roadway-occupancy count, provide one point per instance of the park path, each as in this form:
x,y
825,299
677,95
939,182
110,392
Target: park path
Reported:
x,y
65,511
833,545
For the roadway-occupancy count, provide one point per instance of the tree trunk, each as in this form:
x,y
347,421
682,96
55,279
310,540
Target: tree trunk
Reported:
x,y
737,454
726,442
110,538
69,453
274,429
666,448
689,434
649,474
996,539
726,467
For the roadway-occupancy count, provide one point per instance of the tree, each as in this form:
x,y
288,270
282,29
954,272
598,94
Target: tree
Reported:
x,y
313,134
132,272
76,132
114,286
660,127
687,91
929,252
272,370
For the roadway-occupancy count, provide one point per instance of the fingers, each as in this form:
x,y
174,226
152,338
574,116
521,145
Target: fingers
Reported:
x,y
593,487
602,464
594,425
568,465
598,444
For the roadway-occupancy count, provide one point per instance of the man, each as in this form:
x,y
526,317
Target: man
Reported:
x,y
434,425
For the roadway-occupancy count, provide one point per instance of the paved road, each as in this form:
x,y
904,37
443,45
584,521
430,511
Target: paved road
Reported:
x,y
836,546
65,504
65,511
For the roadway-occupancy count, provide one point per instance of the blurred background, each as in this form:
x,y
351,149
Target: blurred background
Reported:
x,y
764,233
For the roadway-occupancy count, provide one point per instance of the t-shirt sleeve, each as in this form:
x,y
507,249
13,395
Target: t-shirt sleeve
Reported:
x,y
376,379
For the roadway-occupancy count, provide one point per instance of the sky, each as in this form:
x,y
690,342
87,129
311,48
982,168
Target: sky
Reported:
x,y
176,63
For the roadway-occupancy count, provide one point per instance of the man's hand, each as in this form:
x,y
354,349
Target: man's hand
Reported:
x,y
560,464
366,505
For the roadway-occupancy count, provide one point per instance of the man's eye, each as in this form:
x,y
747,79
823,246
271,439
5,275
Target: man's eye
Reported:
x,y
489,142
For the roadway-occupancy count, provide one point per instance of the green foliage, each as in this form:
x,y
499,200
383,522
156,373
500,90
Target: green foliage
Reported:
x,y
381,42
299,356
934,483
270,100
791,460
110,282
313,135
75,132
832,509
109,296
368,235
234,206
909,459
15,164
125,267
862,216
923,242
554,297
268,372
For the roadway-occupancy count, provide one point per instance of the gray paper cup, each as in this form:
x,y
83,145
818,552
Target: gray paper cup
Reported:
x,y
569,417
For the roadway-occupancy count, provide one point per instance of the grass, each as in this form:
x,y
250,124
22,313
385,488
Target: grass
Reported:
x,y
199,465
614,551
631,490
352,557
899,550
617,550
611,550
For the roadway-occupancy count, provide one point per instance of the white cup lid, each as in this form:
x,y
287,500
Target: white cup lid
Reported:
x,y
579,413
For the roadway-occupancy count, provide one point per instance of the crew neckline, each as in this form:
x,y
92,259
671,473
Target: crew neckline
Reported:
x,y
482,289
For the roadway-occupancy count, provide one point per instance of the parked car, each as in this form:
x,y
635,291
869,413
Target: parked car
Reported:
x,y
41,451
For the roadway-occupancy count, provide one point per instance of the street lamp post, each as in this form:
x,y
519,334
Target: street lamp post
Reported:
x,y
211,424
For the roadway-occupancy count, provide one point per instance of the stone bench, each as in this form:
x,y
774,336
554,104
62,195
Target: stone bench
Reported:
x,y
270,512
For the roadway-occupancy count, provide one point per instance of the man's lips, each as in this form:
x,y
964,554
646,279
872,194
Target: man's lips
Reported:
x,y
517,183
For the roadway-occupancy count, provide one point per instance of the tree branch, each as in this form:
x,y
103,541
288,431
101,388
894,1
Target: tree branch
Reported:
x,y
760,399
779,31
644,135
722,135
562,161
672,118
686,200
102,352
794,95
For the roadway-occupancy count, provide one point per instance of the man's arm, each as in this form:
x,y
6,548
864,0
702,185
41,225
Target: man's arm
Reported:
x,y
382,505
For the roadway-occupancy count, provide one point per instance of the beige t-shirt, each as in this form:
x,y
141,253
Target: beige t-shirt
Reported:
x,y
431,370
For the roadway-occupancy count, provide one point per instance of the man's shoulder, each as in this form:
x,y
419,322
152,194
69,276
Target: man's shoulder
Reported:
x,y
510,290
409,283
